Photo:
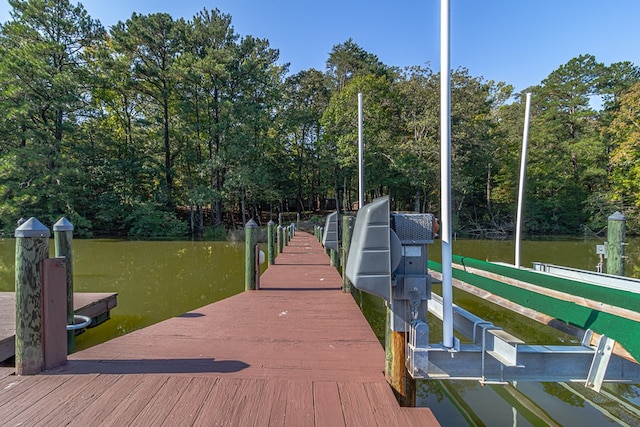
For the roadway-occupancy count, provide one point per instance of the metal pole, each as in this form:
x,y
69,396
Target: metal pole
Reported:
x,y
445,175
360,155
523,174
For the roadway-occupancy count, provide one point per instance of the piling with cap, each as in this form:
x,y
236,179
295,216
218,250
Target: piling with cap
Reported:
x,y
616,235
280,239
251,238
63,237
32,247
271,243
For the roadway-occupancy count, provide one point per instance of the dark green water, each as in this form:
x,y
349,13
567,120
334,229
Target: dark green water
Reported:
x,y
158,280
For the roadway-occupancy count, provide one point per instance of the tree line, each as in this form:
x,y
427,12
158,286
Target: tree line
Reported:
x,y
163,126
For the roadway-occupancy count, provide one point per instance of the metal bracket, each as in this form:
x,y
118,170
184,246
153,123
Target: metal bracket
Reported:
x,y
600,363
418,349
505,347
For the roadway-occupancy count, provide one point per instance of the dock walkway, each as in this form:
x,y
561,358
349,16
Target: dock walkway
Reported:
x,y
297,352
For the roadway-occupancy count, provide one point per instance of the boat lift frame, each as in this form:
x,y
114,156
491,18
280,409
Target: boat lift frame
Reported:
x,y
493,356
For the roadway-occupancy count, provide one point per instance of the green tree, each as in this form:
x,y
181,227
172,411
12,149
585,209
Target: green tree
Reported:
x,y
419,148
152,43
565,148
44,94
348,60
306,96
625,157
206,81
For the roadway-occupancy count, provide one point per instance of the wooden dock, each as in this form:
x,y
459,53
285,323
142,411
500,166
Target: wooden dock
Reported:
x,y
297,352
91,304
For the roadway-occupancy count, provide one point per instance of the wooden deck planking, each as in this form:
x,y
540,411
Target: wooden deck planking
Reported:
x,y
297,352
158,410
187,408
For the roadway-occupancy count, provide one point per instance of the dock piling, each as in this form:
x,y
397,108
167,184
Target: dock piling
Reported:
x,y
63,237
32,247
403,384
251,238
348,222
271,243
280,239
616,234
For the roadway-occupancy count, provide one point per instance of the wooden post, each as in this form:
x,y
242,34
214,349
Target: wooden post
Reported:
x,y
271,243
280,239
251,237
63,237
298,220
54,312
280,218
257,265
285,235
32,247
334,259
347,230
616,234
404,386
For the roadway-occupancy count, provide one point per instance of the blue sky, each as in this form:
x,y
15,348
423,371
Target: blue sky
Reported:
x,y
516,41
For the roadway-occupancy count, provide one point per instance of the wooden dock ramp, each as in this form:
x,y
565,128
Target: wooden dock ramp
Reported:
x,y
297,352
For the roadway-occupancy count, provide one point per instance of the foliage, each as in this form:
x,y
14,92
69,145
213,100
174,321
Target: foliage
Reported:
x,y
119,130
151,220
215,233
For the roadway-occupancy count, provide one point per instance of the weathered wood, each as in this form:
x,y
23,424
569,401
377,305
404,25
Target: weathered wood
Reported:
x,y
54,312
348,222
271,243
395,365
274,357
616,235
280,239
63,237
334,258
251,238
32,246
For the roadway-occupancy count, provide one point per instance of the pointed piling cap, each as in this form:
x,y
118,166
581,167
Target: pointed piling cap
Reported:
x,y
32,228
63,224
251,224
617,216
271,222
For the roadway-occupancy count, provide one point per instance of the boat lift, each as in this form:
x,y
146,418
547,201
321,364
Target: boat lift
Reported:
x,y
388,258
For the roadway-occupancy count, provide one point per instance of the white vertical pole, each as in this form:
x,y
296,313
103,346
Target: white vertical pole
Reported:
x,y
445,175
523,174
360,155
